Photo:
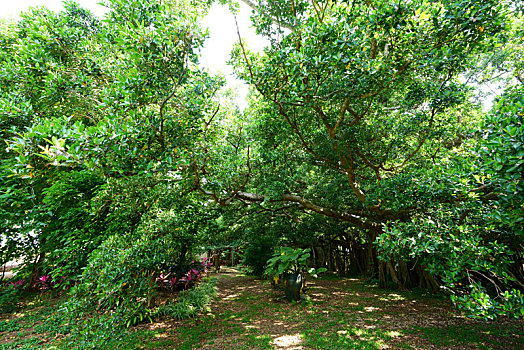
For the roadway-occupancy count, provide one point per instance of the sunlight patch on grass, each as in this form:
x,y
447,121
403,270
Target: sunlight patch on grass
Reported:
x,y
358,332
158,325
371,308
231,296
288,341
392,297
393,334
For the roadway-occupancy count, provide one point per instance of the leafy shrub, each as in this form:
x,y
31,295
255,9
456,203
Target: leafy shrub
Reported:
x,y
190,302
73,230
115,290
289,260
9,298
118,287
175,276
471,269
479,304
121,278
502,153
258,251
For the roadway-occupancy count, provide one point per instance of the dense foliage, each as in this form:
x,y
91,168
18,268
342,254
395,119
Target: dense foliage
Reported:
x,y
381,130
365,141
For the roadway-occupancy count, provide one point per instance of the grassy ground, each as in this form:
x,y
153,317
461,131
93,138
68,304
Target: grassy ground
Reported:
x,y
338,313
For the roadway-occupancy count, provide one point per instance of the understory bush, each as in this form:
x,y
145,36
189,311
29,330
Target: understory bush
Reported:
x,y
259,250
73,227
9,299
480,304
120,283
190,302
119,279
113,292
107,330
472,270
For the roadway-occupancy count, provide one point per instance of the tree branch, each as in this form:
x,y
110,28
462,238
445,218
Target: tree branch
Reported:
x,y
273,20
306,204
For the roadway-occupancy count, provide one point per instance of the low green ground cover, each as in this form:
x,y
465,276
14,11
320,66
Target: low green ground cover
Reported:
x,y
40,322
336,313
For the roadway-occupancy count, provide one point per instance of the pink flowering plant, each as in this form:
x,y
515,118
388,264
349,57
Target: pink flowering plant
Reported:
x,y
45,281
17,284
176,277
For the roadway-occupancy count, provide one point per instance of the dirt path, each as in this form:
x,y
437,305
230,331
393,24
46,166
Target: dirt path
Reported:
x,y
337,314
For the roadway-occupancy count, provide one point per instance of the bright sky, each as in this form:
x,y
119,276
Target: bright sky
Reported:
x,y
10,8
222,36
220,21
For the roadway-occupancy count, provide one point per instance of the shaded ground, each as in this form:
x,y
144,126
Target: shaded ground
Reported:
x,y
338,313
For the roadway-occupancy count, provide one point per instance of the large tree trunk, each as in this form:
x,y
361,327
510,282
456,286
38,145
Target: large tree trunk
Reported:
x,y
427,280
404,274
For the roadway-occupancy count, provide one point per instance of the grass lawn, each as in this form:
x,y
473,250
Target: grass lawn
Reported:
x,y
338,313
